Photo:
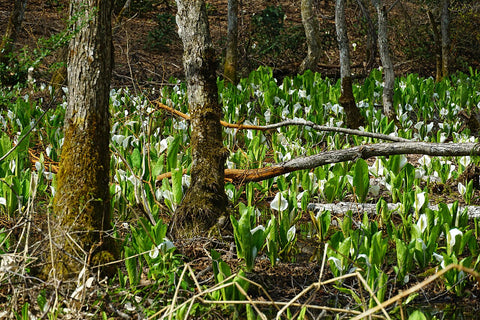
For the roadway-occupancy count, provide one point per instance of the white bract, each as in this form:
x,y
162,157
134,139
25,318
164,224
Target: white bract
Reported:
x,y
12,166
257,228
337,263
422,222
279,203
452,236
419,173
291,233
425,161
161,248
465,161
461,188
419,201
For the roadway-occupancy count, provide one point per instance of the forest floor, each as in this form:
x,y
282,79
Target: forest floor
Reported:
x,y
138,65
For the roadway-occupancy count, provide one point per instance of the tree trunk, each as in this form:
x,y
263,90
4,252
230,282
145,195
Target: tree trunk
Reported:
x,y
231,56
445,26
312,34
438,47
371,37
82,200
353,117
13,29
388,73
205,200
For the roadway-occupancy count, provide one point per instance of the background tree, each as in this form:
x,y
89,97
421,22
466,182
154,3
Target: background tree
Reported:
x,y
445,27
353,117
231,56
82,201
13,28
371,47
388,73
205,201
312,34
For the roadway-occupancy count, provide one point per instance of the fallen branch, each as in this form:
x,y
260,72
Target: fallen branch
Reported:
x,y
352,154
292,122
370,208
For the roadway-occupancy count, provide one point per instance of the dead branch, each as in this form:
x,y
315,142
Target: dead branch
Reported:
x,y
342,208
292,122
352,154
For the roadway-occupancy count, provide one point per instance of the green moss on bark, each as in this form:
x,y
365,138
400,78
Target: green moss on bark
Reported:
x,y
82,204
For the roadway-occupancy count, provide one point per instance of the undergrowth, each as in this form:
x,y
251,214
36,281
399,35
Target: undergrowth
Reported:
x,y
277,225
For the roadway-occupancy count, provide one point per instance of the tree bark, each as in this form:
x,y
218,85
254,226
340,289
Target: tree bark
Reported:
x,y
353,117
82,200
445,27
388,72
13,29
205,201
312,34
231,56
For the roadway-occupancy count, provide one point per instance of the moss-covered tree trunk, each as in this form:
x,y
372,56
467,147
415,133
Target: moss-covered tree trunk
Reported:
x,y
353,117
205,200
13,28
312,34
231,56
82,201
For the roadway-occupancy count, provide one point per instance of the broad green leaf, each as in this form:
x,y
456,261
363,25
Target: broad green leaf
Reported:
x,y
361,180
417,315
177,189
172,153
136,158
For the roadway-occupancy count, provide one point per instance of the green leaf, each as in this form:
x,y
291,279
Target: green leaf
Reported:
x,y
361,180
136,159
172,153
177,189
417,315
131,266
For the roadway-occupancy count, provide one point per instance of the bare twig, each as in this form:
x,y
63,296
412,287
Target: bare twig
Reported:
x,y
292,122
417,287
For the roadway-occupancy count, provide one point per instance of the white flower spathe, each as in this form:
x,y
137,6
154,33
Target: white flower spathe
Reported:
x,y
279,203
452,236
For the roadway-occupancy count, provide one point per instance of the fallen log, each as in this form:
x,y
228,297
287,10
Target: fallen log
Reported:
x,y
370,208
351,154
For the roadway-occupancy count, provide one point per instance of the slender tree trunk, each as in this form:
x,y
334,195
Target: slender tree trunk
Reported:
x,y
438,47
312,33
353,117
205,200
82,200
371,37
13,29
445,26
231,57
388,73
